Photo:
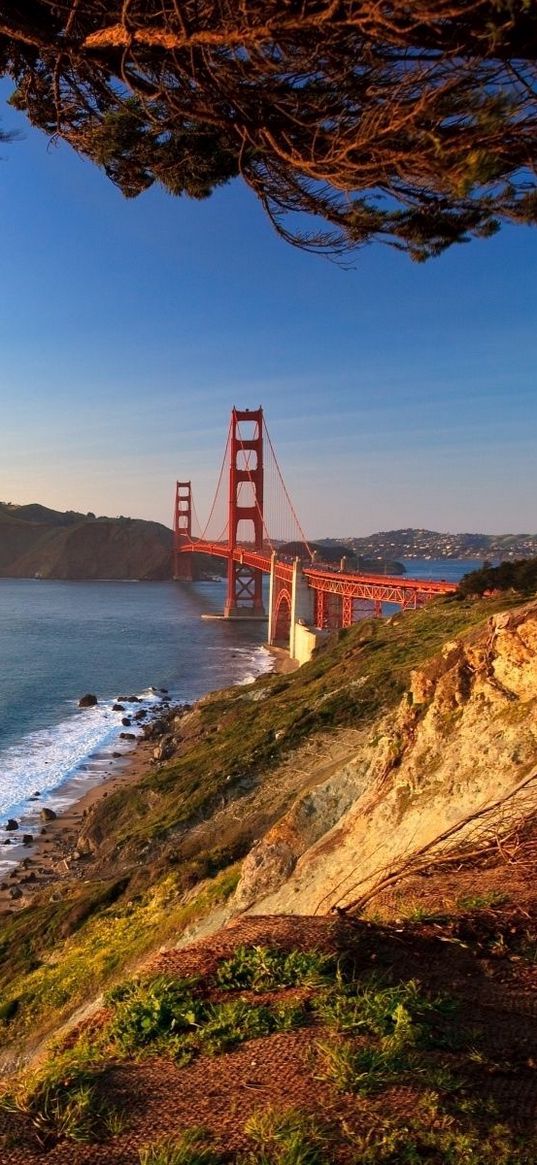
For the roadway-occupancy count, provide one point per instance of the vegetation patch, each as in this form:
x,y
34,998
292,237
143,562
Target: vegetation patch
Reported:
x,y
432,1137
190,1148
519,576
482,901
279,1137
374,1007
53,979
387,1027
168,1014
288,1137
257,968
66,1101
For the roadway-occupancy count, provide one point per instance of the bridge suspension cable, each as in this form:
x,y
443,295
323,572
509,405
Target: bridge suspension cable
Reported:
x,y
302,536
256,498
276,511
216,526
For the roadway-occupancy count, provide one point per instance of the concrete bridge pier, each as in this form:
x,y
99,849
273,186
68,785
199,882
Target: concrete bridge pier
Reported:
x,y
271,638
302,598
291,613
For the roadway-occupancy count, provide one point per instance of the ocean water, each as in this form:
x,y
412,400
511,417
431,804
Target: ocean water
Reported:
x,y
59,640
448,569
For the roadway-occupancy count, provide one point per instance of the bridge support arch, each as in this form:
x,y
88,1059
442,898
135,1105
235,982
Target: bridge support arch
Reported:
x,y
290,606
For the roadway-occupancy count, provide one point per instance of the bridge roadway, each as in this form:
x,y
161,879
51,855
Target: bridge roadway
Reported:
x,y
398,589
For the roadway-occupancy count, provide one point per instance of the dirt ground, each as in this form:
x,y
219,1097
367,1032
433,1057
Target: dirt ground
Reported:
x,y
484,956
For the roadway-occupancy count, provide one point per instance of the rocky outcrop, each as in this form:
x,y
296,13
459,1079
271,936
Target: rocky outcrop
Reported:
x,y
88,701
463,737
46,814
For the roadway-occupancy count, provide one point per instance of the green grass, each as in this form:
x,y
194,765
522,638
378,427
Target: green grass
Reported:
x,y
82,964
190,1148
259,968
419,913
168,1015
364,1070
288,1137
441,1143
379,1035
395,1021
66,1101
374,1007
482,901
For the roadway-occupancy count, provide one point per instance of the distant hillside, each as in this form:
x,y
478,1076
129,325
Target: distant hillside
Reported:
x,y
330,550
414,543
37,541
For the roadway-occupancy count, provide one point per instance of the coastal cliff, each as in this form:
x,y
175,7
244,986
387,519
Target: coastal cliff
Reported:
x,y
382,800
459,746
39,542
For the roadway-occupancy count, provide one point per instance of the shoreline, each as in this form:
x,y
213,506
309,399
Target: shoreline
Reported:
x,y
52,855
49,857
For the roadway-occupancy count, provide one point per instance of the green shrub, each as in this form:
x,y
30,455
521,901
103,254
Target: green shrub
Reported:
x,y
166,1013
376,1008
259,968
147,1012
519,576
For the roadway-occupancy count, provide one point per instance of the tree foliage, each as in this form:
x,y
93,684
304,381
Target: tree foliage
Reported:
x,y
518,576
414,123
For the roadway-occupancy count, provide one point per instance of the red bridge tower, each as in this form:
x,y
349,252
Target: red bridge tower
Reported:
x,y
244,583
182,530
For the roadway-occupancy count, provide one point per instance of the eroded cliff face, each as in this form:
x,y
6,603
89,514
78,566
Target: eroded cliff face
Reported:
x,y
463,736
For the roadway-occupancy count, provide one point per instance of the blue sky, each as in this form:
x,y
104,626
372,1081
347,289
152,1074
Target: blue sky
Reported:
x,y
396,394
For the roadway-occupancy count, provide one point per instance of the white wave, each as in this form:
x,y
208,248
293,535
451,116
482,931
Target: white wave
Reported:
x,y
44,759
78,749
261,661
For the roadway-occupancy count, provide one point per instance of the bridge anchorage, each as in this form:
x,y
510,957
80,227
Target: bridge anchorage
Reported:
x,y
254,527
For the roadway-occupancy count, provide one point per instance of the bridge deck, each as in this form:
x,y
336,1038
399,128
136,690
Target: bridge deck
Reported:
x,y
399,589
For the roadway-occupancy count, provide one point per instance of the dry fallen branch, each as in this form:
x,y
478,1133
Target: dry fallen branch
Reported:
x,y
490,829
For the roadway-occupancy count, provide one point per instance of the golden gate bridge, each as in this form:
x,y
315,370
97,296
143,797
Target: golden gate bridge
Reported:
x,y
252,522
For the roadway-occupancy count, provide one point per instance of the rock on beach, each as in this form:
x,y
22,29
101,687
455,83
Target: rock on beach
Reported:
x,y
88,701
46,814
